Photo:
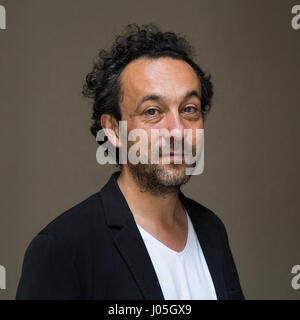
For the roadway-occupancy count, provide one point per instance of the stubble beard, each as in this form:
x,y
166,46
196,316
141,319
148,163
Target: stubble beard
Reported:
x,y
159,179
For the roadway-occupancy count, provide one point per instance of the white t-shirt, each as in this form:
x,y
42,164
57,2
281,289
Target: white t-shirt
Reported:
x,y
182,275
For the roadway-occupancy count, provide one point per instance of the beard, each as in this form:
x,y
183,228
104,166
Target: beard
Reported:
x,y
158,179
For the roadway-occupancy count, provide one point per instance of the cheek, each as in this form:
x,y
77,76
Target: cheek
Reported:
x,y
139,136
194,137
189,137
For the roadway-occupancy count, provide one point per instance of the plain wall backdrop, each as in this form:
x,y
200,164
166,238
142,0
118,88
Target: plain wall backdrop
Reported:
x,y
251,175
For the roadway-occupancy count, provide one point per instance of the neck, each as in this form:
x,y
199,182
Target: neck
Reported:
x,y
162,209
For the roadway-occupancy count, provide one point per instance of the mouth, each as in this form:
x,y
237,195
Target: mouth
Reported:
x,y
173,155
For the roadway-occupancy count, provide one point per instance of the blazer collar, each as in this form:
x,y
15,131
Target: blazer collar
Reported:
x,y
129,241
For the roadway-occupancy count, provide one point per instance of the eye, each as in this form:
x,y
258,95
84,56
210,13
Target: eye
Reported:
x,y
190,109
151,112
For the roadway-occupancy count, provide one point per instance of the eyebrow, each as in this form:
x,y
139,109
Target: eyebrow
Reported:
x,y
155,97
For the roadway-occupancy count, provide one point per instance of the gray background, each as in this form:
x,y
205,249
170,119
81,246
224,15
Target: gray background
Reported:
x,y
251,176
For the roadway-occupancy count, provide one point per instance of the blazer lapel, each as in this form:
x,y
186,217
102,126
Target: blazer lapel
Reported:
x,y
208,247
128,240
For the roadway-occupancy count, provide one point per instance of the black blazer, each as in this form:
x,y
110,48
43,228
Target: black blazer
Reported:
x,y
95,251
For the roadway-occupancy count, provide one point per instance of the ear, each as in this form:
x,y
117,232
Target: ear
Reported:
x,y
111,128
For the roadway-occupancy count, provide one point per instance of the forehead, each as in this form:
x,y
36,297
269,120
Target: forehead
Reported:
x,y
165,76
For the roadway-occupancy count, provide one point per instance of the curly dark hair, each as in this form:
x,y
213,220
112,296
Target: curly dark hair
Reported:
x,y
103,83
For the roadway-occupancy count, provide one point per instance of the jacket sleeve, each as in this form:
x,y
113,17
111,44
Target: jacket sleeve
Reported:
x,y
48,271
232,278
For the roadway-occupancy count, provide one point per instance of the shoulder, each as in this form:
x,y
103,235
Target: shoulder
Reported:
x,y
77,219
57,258
73,229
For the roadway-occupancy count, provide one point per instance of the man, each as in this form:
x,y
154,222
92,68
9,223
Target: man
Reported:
x,y
139,237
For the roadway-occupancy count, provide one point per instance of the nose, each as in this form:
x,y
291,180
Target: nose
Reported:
x,y
174,124
175,131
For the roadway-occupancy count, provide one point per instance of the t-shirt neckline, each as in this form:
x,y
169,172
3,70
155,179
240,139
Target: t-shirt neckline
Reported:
x,y
163,246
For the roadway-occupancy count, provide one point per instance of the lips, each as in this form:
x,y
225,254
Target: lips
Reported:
x,y
173,154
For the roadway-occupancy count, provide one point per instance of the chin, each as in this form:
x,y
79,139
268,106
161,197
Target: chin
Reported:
x,y
173,174
173,167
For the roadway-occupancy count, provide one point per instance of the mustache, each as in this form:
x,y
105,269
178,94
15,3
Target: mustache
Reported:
x,y
173,147
176,148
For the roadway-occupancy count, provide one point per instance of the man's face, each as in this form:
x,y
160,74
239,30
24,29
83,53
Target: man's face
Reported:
x,y
163,93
